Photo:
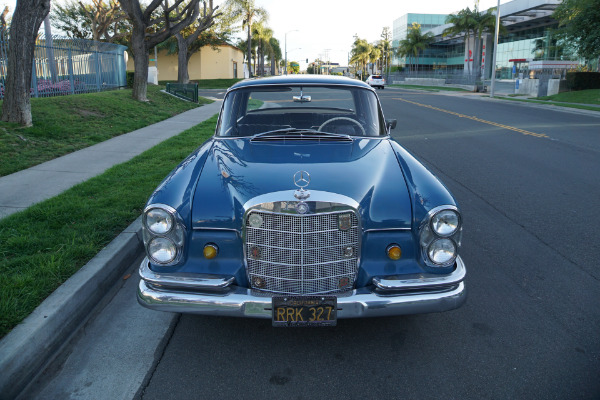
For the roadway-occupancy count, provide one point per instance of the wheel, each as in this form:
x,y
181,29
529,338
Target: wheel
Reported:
x,y
342,119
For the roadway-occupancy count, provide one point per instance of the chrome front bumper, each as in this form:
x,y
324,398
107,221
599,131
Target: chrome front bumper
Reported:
x,y
214,295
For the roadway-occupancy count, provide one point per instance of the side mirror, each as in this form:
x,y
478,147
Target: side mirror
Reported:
x,y
391,124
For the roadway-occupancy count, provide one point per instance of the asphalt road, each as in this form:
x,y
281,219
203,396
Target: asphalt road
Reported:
x,y
528,183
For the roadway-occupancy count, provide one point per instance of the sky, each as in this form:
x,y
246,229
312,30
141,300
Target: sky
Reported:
x,y
326,29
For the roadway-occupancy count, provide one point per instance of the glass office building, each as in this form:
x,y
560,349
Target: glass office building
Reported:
x,y
404,23
529,41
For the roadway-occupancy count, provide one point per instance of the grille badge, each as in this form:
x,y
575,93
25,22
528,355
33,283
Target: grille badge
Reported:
x,y
344,222
348,251
255,253
302,208
255,220
343,282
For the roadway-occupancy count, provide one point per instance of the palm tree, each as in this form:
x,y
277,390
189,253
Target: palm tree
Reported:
x,y
361,50
462,22
385,47
263,34
375,55
483,22
248,11
413,44
419,40
404,50
274,53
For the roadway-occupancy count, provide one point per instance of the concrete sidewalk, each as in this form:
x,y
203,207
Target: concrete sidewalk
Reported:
x,y
25,188
30,346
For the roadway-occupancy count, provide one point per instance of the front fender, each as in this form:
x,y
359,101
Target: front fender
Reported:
x,y
427,191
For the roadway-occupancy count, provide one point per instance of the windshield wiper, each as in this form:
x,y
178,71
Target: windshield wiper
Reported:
x,y
297,133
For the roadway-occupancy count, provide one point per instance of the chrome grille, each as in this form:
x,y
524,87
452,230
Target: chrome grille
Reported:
x,y
301,254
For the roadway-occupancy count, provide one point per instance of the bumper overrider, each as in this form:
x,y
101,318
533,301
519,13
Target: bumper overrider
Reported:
x,y
216,295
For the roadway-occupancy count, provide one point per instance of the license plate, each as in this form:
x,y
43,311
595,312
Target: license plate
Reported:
x,y
292,311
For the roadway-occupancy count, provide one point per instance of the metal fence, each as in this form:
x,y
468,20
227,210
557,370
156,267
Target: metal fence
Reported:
x,y
187,91
65,66
450,77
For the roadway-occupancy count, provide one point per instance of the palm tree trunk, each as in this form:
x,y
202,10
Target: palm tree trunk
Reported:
x,y
249,50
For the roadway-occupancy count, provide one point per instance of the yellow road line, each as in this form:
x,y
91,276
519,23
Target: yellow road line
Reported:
x,y
512,128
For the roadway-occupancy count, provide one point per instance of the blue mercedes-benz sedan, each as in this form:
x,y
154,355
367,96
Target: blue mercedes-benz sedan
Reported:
x,y
303,210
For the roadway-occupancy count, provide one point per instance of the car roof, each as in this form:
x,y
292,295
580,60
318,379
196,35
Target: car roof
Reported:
x,y
301,79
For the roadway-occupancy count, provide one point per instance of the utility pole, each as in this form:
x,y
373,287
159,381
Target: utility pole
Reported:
x,y
286,62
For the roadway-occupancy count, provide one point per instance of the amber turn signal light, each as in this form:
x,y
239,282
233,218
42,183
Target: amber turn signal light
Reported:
x,y
394,252
210,251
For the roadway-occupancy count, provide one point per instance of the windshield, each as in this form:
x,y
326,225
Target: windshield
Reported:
x,y
340,110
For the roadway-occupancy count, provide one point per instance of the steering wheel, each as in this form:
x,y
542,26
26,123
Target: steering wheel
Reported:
x,y
342,119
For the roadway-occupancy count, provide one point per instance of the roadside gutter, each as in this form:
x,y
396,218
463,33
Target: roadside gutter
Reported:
x,y
30,346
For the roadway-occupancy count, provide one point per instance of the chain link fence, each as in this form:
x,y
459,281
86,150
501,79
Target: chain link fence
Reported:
x,y
64,66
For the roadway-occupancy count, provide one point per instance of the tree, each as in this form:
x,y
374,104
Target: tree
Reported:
x,y
386,47
248,12
579,23
275,53
463,22
483,22
375,55
420,41
263,36
151,27
96,21
294,67
26,21
414,43
405,50
361,50
188,43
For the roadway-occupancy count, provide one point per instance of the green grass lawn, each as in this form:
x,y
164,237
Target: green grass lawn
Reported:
x,y
41,247
590,96
65,124
431,88
583,99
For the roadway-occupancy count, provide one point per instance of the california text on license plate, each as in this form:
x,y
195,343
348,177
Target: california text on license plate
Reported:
x,y
304,311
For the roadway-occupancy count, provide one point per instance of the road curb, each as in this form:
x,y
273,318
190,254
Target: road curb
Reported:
x,y
32,344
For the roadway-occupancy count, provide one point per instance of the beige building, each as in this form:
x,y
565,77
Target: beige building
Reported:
x,y
226,62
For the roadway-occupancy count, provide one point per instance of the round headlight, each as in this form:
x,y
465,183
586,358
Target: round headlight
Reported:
x,y
162,250
445,223
159,221
442,251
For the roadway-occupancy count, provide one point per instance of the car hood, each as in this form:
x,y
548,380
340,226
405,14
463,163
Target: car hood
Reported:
x,y
238,171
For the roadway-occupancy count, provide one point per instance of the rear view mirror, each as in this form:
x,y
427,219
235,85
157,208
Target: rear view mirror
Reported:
x,y
391,123
302,99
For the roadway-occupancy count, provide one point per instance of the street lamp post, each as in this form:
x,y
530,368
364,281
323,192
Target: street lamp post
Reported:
x,y
286,62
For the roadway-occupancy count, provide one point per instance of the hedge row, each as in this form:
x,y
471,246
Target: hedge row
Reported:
x,y
583,80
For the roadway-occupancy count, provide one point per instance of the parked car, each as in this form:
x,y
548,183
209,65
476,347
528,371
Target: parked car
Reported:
x,y
376,81
303,210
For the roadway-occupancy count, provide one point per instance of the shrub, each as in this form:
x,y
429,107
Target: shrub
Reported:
x,y
583,80
130,79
